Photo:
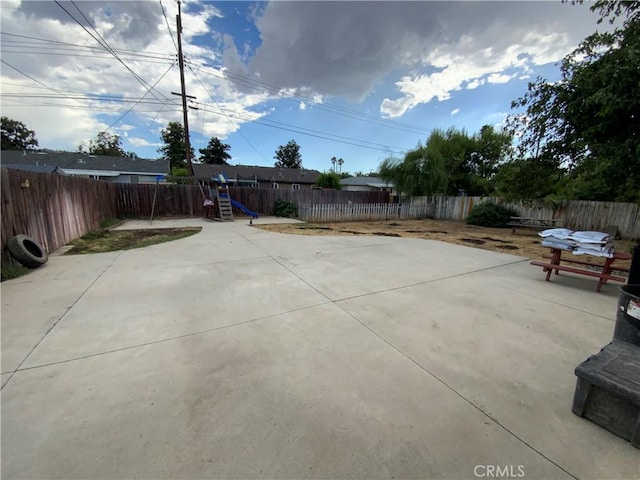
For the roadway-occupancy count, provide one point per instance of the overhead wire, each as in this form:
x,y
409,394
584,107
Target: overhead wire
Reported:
x,y
325,106
166,20
102,42
314,133
228,119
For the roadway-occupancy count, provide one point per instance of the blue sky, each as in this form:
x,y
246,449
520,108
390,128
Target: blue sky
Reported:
x,y
354,80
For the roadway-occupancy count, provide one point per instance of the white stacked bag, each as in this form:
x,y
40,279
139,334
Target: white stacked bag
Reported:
x,y
599,244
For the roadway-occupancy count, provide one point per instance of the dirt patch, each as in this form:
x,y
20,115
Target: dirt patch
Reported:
x,y
102,241
477,241
308,226
524,242
498,240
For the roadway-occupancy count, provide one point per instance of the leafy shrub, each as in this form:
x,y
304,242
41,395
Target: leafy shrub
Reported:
x,y
284,208
329,180
491,215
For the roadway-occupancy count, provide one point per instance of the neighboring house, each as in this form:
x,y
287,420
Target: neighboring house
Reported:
x,y
33,168
111,169
367,184
260,177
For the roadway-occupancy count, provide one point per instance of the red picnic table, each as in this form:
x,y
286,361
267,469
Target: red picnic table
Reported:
x,y
604,273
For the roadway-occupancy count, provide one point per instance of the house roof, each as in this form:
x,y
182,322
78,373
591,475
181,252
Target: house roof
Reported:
x,y
73,161
375,182
33,168
265,174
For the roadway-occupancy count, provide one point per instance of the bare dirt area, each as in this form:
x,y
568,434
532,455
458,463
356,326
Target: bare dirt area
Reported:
x,y
525,242
102,241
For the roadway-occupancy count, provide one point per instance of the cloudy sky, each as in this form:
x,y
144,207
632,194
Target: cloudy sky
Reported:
x,y
354,80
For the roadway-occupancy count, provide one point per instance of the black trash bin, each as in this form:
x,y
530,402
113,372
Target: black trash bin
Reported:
x,y
627,327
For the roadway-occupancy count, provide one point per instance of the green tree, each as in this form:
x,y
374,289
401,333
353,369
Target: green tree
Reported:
x,y
174,148
16,135
329,180
106,144
529,179
288,156
588,121
215,153
420,172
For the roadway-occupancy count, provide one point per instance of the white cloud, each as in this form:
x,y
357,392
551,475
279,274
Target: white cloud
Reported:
x,y
345,48
499,78
455,111
141,142
65,123
475,83
302,106
472,69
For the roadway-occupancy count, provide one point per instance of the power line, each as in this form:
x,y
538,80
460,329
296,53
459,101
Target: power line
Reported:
x,y
45,41
168,26
328,107
59,92
309,132
106,46
237,129
136,104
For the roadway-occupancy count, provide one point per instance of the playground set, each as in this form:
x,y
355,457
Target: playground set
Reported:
x,y
224,200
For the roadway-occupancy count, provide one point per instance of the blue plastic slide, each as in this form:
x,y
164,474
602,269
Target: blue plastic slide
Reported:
x,y
244,209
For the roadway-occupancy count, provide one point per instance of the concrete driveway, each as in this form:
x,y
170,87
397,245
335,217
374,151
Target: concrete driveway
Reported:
x,y
239,353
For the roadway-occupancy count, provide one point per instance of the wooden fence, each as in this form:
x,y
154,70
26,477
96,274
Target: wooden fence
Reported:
x,y
261,200
186,200
56,209
576,214
53,209
353,212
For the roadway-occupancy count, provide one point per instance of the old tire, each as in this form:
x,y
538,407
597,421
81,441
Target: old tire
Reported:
x,y
27,251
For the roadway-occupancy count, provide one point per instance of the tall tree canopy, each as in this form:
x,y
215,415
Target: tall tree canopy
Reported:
x,y
215,153
588,121
105,143
16,135
288,156
420,172
174,148
451,162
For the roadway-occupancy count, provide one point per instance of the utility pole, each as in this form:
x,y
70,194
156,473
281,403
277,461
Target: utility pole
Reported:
x,y
184,95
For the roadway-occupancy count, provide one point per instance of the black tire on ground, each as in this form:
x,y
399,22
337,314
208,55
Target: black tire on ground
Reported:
x,y
27,251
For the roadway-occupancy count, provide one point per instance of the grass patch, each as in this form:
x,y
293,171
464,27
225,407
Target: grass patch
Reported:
x,y
109,222
13,271
108,241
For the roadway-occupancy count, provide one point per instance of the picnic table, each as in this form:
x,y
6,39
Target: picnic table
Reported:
x,y
602,271
539,223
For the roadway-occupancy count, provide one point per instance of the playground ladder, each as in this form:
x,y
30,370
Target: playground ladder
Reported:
x,y
224,202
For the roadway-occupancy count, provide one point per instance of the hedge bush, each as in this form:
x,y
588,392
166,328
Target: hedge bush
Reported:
x,y
284,208
491,215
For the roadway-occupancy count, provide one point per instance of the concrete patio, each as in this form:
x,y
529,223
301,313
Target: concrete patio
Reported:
x,y
240,353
